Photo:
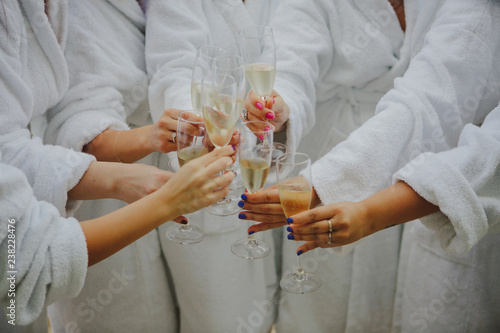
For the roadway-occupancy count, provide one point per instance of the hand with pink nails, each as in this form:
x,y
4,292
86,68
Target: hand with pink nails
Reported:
x,y
273,110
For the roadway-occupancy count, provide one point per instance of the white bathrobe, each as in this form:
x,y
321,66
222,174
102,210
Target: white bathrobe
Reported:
x,y
129,291
216,291
34,77
449,262
50,258
360,55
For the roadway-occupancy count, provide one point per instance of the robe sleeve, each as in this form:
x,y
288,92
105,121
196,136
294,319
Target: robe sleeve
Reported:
x,y
464,182
50,261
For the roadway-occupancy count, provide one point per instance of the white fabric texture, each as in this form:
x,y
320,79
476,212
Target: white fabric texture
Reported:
x,y
129,291
448,268
34,77
209,280
51,252
440,75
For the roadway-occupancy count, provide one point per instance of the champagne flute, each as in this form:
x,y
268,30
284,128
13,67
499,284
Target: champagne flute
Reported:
x,y
255,154
191,144
293,171
219,101
257,48
234,66
202,67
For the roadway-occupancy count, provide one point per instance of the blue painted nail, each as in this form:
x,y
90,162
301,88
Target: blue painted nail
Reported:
x,y
241,204
251,232
242,216
289,220
300,252
289,229
234,147
291,237
244,197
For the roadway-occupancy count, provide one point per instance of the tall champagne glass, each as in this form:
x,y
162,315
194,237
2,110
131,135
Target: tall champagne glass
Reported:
x,y
255,154
202,67
257,47
219,105
233,65
191,143
295,189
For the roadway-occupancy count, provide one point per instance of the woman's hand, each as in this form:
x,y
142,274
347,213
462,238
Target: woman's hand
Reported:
x,y
161,134
263,206
349,223
196,185
273,110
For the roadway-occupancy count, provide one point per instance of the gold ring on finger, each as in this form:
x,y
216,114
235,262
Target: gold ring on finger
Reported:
x,y
330,237
330,229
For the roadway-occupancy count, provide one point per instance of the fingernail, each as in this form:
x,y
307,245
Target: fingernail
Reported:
x,y
261,137
234,147
289,220
274,101
300,252
267,128
251,232
258,105
242,216
184,222
270,115
241,204
289,229
290,236
244,197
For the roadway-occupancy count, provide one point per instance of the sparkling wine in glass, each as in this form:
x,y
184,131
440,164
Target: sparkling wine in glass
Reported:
x,y
255,153
295,190
219,105
191,144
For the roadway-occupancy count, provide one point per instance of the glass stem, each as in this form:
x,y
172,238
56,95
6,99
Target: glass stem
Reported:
x,y
300,271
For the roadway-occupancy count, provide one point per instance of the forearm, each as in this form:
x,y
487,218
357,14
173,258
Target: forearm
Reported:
x,y
121,146
395,205
98,182
108,234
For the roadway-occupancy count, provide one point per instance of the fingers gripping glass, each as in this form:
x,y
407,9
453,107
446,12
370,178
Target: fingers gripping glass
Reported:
x,y
192,143
255,152
295,189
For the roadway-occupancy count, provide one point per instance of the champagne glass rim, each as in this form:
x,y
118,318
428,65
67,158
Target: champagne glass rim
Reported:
x,y
262,31
245,128
304,159
195,112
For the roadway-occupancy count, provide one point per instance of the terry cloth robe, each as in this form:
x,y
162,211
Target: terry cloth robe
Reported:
x,y
216,291
50,258
449,262
129,291
444,60
34,77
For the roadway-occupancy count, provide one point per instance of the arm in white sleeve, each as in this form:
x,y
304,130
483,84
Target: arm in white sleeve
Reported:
x,y
51,171
464,182
50,251
175,29
442,90
105,57
302,52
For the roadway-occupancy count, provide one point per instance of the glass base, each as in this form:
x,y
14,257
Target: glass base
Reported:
x,y
247,249
226,206
173,165
185,234
297,283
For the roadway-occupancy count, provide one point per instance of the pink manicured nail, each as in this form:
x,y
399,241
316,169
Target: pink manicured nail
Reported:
x,y
258,105
261,137
270,115
267,128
